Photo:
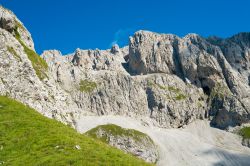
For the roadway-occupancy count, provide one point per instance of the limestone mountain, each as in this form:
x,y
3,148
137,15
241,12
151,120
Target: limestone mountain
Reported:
x,y
158,79
172,80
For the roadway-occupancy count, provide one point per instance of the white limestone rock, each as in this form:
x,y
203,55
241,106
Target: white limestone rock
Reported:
x,y
10,23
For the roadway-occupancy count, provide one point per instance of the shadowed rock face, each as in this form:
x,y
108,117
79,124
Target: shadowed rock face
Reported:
x,y
246,142
169,79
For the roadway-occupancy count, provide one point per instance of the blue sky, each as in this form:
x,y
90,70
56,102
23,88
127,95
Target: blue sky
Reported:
x,y
68,24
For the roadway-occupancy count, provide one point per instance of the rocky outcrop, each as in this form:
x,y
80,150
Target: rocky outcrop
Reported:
x,y
10,23
153,53
128,140
115,49
206,63
244,132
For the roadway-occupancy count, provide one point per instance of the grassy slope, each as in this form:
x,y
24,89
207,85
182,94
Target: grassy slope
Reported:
x,y
245,132
38,63
28,138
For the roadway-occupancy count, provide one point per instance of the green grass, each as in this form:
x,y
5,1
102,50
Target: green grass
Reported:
x,y
115,130
245,132
30,139
13,52
87,86
180,97
38,63
173,89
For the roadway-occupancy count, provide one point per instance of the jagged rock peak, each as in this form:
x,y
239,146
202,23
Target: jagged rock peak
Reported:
x,y
10,23
78,50
192,35
7,19
52,56
115,49
143,35
245,36
51,53
76,57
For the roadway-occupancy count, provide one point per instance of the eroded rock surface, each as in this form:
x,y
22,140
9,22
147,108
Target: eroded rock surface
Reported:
x,y
10,23
219,66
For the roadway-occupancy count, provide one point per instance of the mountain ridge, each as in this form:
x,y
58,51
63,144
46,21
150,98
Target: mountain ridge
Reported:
x,y
170,34
158,79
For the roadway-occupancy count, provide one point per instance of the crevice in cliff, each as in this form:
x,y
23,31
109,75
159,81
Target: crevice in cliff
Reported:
x,y
151,100
206,90
177,62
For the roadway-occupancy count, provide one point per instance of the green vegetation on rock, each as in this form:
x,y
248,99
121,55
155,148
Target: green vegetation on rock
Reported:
x,y
178,95
28,138
173,89
219,91
13,52
87,86
115,130
38,63
245,132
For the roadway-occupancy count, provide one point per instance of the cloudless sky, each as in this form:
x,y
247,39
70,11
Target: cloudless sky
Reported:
x,y
69,24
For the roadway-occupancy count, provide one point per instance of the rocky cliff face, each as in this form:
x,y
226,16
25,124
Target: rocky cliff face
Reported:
x,y
170,80
220,67
19,69
100,85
